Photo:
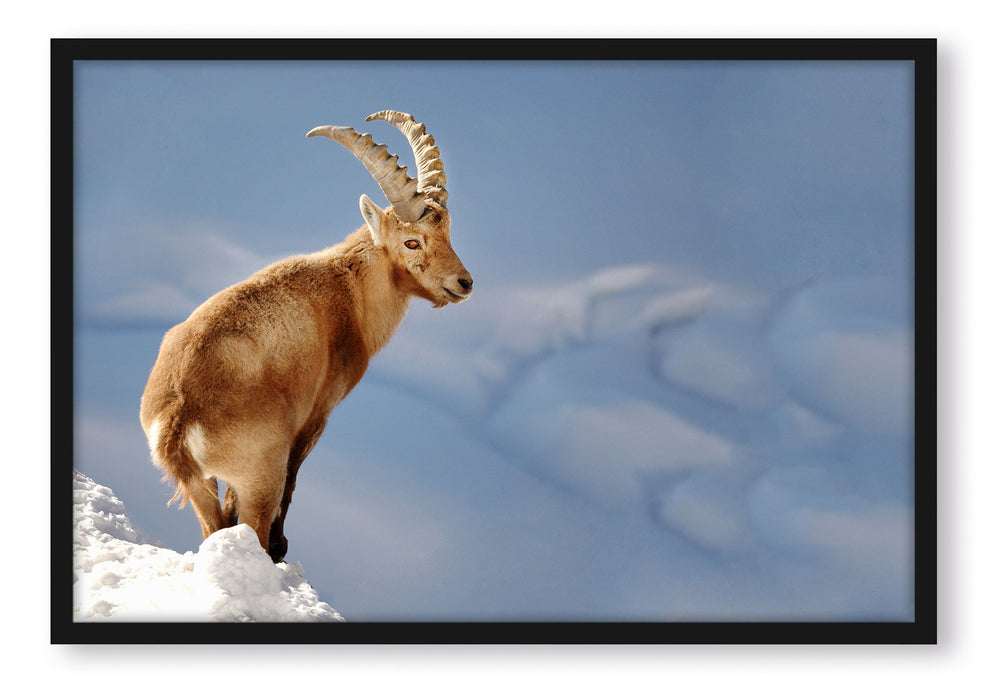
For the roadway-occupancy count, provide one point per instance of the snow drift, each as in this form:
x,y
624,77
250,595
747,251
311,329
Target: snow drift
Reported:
x,y
121,574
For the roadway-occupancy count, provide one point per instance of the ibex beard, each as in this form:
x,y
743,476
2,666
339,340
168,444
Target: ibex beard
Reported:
x,y
242,389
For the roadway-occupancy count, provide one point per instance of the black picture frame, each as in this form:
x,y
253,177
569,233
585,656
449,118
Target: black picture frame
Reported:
x,y
922,630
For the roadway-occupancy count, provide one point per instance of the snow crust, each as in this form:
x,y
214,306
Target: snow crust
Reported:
x,y
121,574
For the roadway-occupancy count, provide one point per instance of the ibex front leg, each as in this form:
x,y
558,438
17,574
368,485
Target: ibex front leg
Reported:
x,y
278,545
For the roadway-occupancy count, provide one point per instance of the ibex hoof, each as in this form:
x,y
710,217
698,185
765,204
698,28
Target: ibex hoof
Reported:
x,y
277,550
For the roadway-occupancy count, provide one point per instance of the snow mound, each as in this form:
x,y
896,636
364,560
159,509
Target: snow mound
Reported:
x,y
121,574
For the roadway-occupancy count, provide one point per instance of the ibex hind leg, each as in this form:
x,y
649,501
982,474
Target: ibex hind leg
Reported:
x,y
258,510
171,453
255,487
202,493
230,511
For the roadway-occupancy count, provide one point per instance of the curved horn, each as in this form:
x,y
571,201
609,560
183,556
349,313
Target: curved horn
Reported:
x,y
400,189
429,167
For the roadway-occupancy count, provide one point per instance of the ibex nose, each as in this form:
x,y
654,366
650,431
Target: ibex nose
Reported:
x,y
466,283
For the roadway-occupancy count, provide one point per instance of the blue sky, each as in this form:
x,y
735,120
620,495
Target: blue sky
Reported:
x,y
678,391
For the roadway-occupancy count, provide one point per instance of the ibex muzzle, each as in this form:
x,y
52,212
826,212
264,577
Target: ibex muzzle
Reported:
x,y
242,389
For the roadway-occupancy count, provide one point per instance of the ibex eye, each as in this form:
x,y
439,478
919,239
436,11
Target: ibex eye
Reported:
x,y
412,245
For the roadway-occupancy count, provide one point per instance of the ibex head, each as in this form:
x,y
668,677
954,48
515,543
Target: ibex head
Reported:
x,y
415,231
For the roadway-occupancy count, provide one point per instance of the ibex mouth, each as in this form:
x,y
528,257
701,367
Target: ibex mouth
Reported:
x,y
454,296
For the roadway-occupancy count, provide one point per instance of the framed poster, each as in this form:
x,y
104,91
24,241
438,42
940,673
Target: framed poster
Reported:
x,y
685,401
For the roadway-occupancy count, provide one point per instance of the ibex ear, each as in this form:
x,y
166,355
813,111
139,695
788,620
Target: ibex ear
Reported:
x,y
373,216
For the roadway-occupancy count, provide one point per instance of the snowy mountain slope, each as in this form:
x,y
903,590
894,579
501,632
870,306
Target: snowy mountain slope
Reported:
x,y
121,574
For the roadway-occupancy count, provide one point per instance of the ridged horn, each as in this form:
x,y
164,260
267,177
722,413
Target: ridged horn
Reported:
x,y
399,188
429,168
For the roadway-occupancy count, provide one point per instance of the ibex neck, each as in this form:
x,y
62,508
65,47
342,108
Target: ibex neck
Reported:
x,y
380,305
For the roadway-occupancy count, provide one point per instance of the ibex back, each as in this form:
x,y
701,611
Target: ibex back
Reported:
x,y
242,389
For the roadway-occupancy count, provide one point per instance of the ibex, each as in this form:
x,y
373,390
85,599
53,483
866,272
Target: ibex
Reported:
x,y
242,389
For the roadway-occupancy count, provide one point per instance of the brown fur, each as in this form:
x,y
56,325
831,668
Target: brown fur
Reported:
x,y
242,389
